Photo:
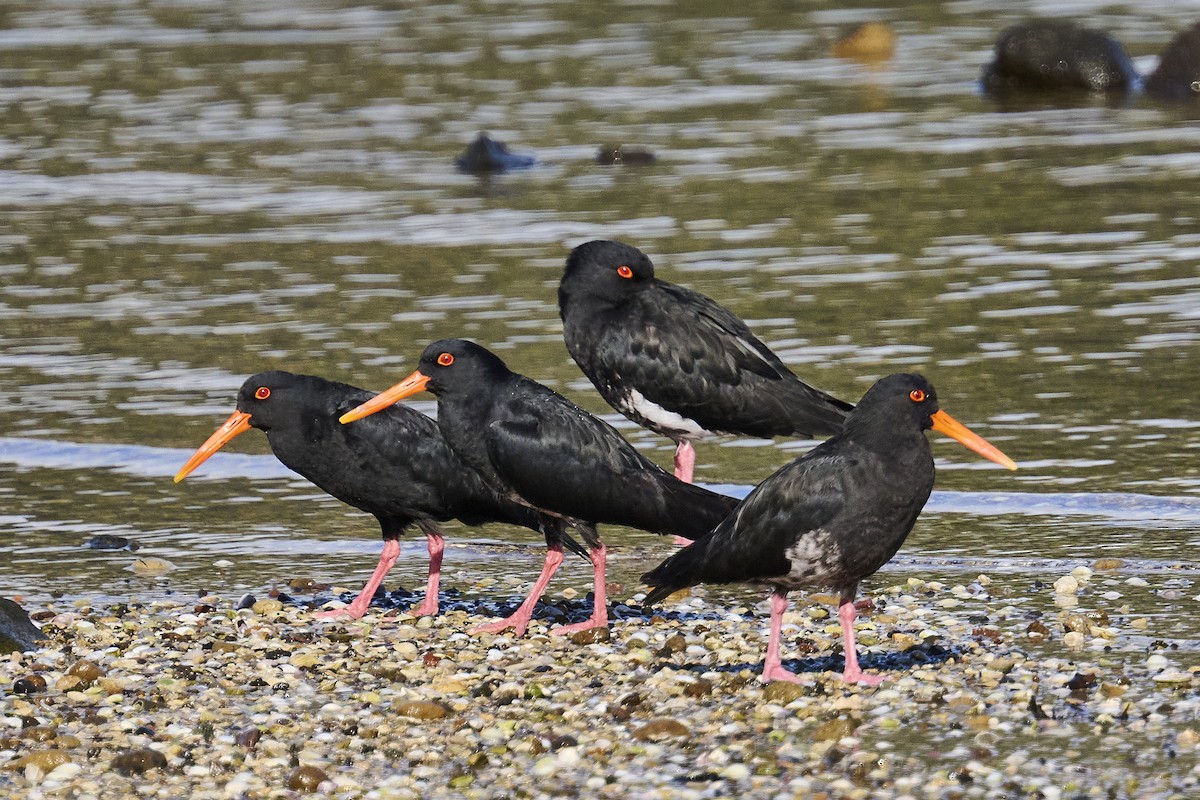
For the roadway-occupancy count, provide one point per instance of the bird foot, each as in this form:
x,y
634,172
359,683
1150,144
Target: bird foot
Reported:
x,y
858,676
586,625
778,673
351,611
680,541
428,608
516,622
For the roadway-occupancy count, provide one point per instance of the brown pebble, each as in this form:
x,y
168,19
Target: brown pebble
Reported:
x,y
87,671
45,760
248,737
832,730
784,692
869,42
1036,629
662,728
138,762
1107,564
306,778
430,659
39,733
421,709
591,636
698,688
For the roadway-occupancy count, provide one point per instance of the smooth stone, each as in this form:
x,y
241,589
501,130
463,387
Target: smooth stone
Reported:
x,y
138,762
1046,55
657,730
421,709
45,760
306,778
784,692
833,730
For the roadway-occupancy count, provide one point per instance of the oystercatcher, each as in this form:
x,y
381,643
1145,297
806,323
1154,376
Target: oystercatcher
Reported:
x,y
538,448
397,467
675,361
831,517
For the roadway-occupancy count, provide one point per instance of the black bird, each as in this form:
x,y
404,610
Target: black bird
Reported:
x,y
396,467
831,517
541,449
675,361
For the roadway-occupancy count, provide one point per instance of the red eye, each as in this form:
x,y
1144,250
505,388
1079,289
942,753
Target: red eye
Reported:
x,y
624,271
917,396
262,393
446,359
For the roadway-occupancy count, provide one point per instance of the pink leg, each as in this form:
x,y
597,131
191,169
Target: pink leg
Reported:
x,y
436,545
772,666
599,618
520,618
387,560
685,460
685,463
852,673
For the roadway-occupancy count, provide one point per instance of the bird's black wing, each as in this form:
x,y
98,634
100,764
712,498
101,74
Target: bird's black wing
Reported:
x,y
559,457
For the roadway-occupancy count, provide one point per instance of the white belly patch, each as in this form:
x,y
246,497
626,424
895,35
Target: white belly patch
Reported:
x,y
668,420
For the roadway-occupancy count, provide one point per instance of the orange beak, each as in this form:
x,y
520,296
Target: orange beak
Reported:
x,y
944,423
406,388
238,422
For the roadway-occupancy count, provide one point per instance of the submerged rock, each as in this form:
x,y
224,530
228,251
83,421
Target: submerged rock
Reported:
x,y
1049,55
17,631
870,42
485,154
1177,76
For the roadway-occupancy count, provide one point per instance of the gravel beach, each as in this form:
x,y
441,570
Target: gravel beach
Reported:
x,y
199,698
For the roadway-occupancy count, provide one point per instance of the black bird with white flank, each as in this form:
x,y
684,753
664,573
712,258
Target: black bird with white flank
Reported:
x,y
539,448
675,361
397,467
831,517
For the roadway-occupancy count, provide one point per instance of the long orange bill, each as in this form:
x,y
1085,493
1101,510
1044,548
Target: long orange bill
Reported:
x,y
238,422
406,388
944,423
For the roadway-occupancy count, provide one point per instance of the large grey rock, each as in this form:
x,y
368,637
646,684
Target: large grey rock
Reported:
x,y
1049,55
17,631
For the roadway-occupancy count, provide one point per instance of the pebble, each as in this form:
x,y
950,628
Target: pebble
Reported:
x,y
1067,584
306,778
220,703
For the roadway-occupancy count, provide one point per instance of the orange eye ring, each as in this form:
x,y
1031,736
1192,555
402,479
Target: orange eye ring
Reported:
x,y
446,359
624,271
262,393
917,396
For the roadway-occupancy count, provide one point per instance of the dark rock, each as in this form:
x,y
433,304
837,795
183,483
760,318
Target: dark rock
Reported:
x,y
625,157
1177,76
485,154
17,631
107,541
30,684
1048,55
657,730
246,601
138,762
248,737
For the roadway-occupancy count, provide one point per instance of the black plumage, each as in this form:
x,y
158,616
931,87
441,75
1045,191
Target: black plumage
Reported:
x,y
675,361
395,466
540,448
831,517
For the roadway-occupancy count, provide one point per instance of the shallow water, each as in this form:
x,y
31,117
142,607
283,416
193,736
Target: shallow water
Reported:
x,y
193,193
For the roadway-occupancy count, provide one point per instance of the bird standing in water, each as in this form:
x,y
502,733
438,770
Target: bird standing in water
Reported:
x,y
675,361
397,467
831,517
536,447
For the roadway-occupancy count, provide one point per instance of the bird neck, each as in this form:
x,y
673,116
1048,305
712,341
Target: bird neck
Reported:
x,y
901,442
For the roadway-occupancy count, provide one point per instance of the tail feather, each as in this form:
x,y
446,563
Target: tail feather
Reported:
x,y
677,572
815,413
689,511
